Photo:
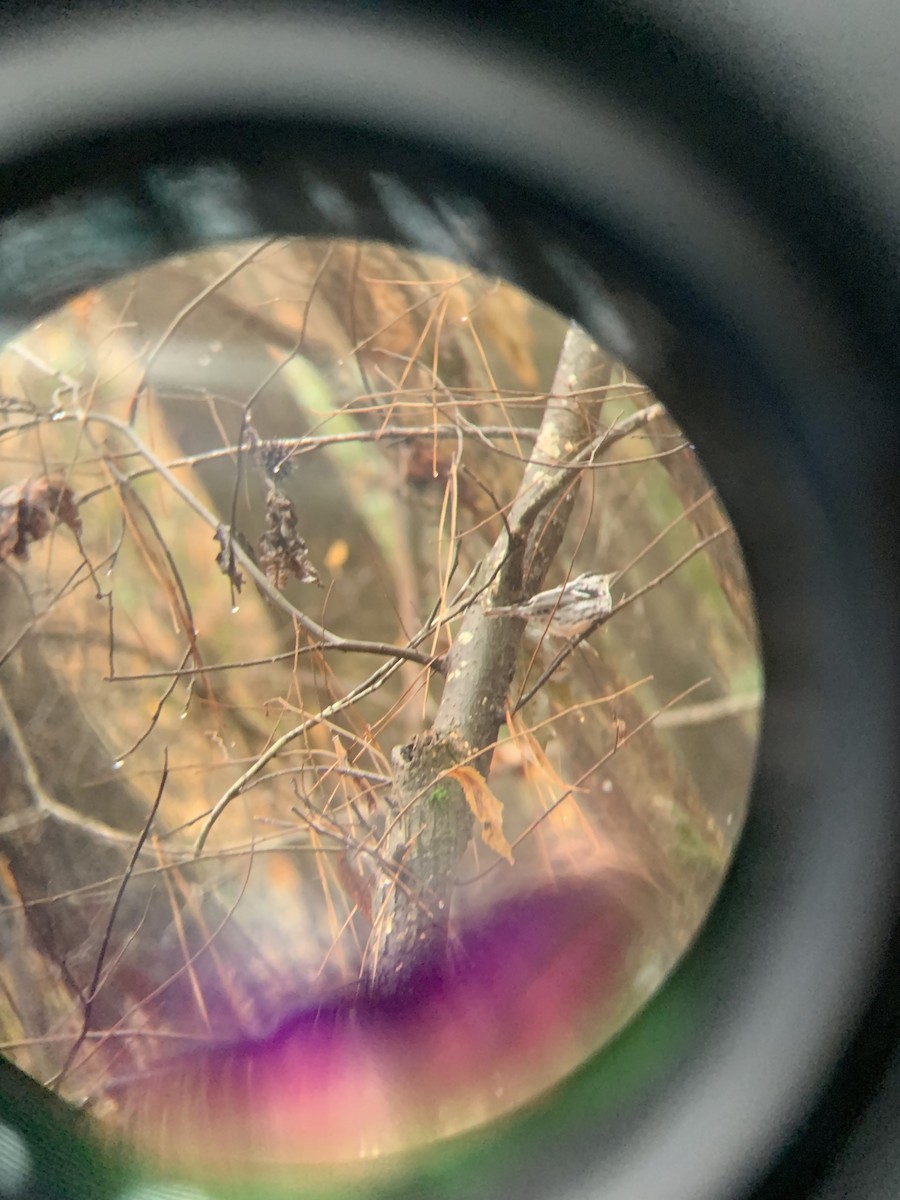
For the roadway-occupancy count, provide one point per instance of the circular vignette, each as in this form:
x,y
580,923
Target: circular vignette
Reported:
x,y
458,150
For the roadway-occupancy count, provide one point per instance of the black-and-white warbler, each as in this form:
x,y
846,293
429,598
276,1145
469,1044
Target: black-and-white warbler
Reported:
x,y
563,611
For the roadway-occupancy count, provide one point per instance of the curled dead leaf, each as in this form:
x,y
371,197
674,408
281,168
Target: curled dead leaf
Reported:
x,y
486,809
282,551
28,510
225,559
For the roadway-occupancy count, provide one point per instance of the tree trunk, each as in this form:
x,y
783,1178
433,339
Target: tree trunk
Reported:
x,y
432,824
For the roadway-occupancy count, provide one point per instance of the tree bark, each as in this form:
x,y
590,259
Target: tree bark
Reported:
x,y
432,823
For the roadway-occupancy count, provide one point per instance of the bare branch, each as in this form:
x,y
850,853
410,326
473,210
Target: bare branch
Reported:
x,y
181,316
435,825
94,984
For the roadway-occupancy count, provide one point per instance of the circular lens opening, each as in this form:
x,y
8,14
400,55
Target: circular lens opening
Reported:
x,y
380,691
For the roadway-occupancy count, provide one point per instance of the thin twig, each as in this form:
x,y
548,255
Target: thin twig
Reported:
x,y
344,645
358,693
308,443
182,315
188,964
157,712
93,987
324,637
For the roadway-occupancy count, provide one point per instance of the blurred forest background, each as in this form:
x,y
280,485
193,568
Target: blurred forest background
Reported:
x,y
245,499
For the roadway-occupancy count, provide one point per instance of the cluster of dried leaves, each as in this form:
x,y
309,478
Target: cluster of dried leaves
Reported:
x,y
282,551
28,511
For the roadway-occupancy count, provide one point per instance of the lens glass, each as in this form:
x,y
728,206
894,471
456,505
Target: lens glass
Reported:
x,y
379,696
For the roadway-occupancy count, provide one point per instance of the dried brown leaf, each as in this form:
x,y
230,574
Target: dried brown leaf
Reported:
x,y
486,809
225,559
282,551
28,510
